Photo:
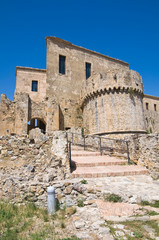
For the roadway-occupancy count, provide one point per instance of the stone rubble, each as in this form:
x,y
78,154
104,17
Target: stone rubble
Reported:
x,y
29,165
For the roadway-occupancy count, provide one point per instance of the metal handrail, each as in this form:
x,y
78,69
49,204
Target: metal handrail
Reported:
x,y
100,141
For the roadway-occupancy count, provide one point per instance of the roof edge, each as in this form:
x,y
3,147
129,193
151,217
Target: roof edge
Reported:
x,y
30,69
150,96
59,40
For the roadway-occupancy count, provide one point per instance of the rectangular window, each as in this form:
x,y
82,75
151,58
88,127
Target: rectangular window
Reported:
x,y
155,107
88,70
147,106
34,87
62,60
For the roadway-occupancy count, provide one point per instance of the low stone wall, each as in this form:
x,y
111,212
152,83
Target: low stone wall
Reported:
x,y
144,150
29,165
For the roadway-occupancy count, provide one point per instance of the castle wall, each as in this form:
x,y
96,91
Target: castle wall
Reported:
x,y
67,87
113,104
24,78
151,110
21,113
37,106
7,116
109,101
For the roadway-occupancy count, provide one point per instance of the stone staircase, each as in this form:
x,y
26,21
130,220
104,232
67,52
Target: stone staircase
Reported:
x,y
87,164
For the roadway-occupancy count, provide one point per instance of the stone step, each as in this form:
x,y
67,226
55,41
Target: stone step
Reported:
x,y
77,148
84,153
91,161
108,171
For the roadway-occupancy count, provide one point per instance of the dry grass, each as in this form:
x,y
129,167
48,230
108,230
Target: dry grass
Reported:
x,y
28,222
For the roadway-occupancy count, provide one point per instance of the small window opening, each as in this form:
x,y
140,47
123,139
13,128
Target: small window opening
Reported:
x,y
147,106
34,86
155,107
62,60
36,122
88,70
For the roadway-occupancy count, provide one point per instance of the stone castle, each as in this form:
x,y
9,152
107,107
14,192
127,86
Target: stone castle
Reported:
x,y
79,88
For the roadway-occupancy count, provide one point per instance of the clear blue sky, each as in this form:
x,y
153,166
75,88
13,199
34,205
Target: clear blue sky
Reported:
x,y
124,29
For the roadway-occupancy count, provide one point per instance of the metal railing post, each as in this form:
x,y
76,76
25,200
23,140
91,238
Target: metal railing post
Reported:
x,y
100,145
127,146
72,138
70,155
84,142
67,140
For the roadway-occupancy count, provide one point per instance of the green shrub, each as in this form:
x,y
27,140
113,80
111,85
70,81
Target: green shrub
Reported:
x,y
80,203
154,204
112,198
63,225
83,181
137,234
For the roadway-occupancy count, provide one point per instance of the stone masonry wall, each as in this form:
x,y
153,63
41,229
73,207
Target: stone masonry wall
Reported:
x,y
24,78
7,116
144,150
29,165
151,111
113,102
67,87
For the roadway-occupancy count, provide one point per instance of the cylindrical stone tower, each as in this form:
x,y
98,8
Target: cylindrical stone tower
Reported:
x,y
113,103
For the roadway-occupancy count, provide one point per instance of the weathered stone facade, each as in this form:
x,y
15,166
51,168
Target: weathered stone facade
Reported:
x,y
151,109
29,165
79,88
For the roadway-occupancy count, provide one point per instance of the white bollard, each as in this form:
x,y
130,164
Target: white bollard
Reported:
x,y
51,200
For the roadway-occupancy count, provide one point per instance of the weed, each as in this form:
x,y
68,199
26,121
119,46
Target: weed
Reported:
x,y
152,213
137,234
155,204
80,203
72,238
83,181
30,209
46,217
74,210
54,216
154,225
145,203
112,198
38,236
63,225
131,91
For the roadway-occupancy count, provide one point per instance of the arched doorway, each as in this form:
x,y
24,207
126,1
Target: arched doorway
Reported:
x,y
37,123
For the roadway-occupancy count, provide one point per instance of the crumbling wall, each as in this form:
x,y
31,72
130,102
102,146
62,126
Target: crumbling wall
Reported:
x,y
144,150
21,113
29,166
7,116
